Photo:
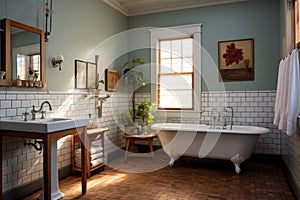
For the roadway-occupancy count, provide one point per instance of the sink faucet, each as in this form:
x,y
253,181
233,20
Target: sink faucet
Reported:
x,y
231,115
212,118
33,112
100,101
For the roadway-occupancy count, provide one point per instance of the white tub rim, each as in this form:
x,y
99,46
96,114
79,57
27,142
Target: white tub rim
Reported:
x,y
189,127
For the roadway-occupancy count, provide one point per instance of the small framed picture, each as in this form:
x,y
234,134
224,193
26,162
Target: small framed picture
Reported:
x,y
236,60
85,75
111,80
80,74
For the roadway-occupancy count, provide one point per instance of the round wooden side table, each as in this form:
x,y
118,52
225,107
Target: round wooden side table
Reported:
x,y
130,139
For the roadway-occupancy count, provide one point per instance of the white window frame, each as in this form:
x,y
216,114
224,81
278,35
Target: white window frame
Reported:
x,y
158,34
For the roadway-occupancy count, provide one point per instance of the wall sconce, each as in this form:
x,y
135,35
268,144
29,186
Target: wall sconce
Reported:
x,y
48,18
56,62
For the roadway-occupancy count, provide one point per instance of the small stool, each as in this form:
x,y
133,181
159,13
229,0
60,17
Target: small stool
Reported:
x,y
130,139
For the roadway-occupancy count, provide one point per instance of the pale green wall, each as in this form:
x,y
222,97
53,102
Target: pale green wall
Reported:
x,y
258,19
78,27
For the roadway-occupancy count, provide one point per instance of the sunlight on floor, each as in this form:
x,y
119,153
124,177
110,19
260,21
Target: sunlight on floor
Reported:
x,y
107,180
104,181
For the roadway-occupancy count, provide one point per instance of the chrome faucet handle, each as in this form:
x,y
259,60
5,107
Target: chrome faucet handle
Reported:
x,y
25,115
43,114
33,115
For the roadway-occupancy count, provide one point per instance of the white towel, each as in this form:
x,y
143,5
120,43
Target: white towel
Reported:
x,y
97,143
284,93
280,89
93,149
293,104
92,164
93,156
287,103
96,156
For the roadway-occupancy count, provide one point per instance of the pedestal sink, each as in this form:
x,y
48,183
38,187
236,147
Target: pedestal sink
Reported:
x,y
50,130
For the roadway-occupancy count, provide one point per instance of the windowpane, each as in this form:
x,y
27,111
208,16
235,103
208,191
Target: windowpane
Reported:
x,y
176,81
36,62
187,65
165,66
176,65
187,47
176,48
165,49
179,99
176,91
21,65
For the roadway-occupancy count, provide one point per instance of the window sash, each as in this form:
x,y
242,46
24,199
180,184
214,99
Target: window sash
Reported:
x,y
176,94
178,55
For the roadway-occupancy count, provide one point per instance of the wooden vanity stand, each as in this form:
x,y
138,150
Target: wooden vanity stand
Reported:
x,y
47,138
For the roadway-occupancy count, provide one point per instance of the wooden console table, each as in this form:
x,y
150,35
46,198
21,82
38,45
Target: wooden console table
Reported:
x,y
130,139
47,138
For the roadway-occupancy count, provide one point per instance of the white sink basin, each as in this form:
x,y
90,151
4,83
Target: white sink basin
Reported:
x,y
42,125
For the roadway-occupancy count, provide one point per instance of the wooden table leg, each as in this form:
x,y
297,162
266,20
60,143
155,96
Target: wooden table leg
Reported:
x,y
47,168
127,148
83,161
150,141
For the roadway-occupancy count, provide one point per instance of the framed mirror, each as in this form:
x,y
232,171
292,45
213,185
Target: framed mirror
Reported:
x,y
4,70
24,57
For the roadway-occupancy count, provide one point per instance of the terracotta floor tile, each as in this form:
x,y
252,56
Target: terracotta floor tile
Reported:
x,y
189,178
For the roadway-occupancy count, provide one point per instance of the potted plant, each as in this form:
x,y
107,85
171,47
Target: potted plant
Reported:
x,y
144,112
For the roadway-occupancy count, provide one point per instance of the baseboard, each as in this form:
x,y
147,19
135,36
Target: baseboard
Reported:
x,y
266,158
25,190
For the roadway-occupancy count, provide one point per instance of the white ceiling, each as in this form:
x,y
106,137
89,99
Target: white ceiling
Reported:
x,y
139,7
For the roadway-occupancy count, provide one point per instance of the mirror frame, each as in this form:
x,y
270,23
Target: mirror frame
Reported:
x,y
7,57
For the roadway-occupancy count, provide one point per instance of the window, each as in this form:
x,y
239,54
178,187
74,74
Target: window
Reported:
x,y
24,62
176,52
175,74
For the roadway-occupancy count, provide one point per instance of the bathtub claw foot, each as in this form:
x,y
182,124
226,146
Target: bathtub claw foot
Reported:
x,y
171,163
237,160
173,156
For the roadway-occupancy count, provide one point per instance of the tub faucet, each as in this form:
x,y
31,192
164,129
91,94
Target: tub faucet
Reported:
x,y
231,115
33,112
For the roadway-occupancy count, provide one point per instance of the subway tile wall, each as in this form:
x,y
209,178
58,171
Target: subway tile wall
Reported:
x,y
291,157
22,165
251,108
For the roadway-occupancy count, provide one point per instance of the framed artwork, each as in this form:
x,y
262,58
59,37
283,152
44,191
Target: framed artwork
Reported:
x,y
236,60
111,80
85,75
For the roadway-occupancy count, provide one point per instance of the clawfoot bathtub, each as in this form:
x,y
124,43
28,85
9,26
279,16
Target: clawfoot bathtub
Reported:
x,y
198,140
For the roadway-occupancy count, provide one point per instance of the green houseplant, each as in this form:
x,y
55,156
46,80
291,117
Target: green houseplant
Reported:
x,y
144,111
135,78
